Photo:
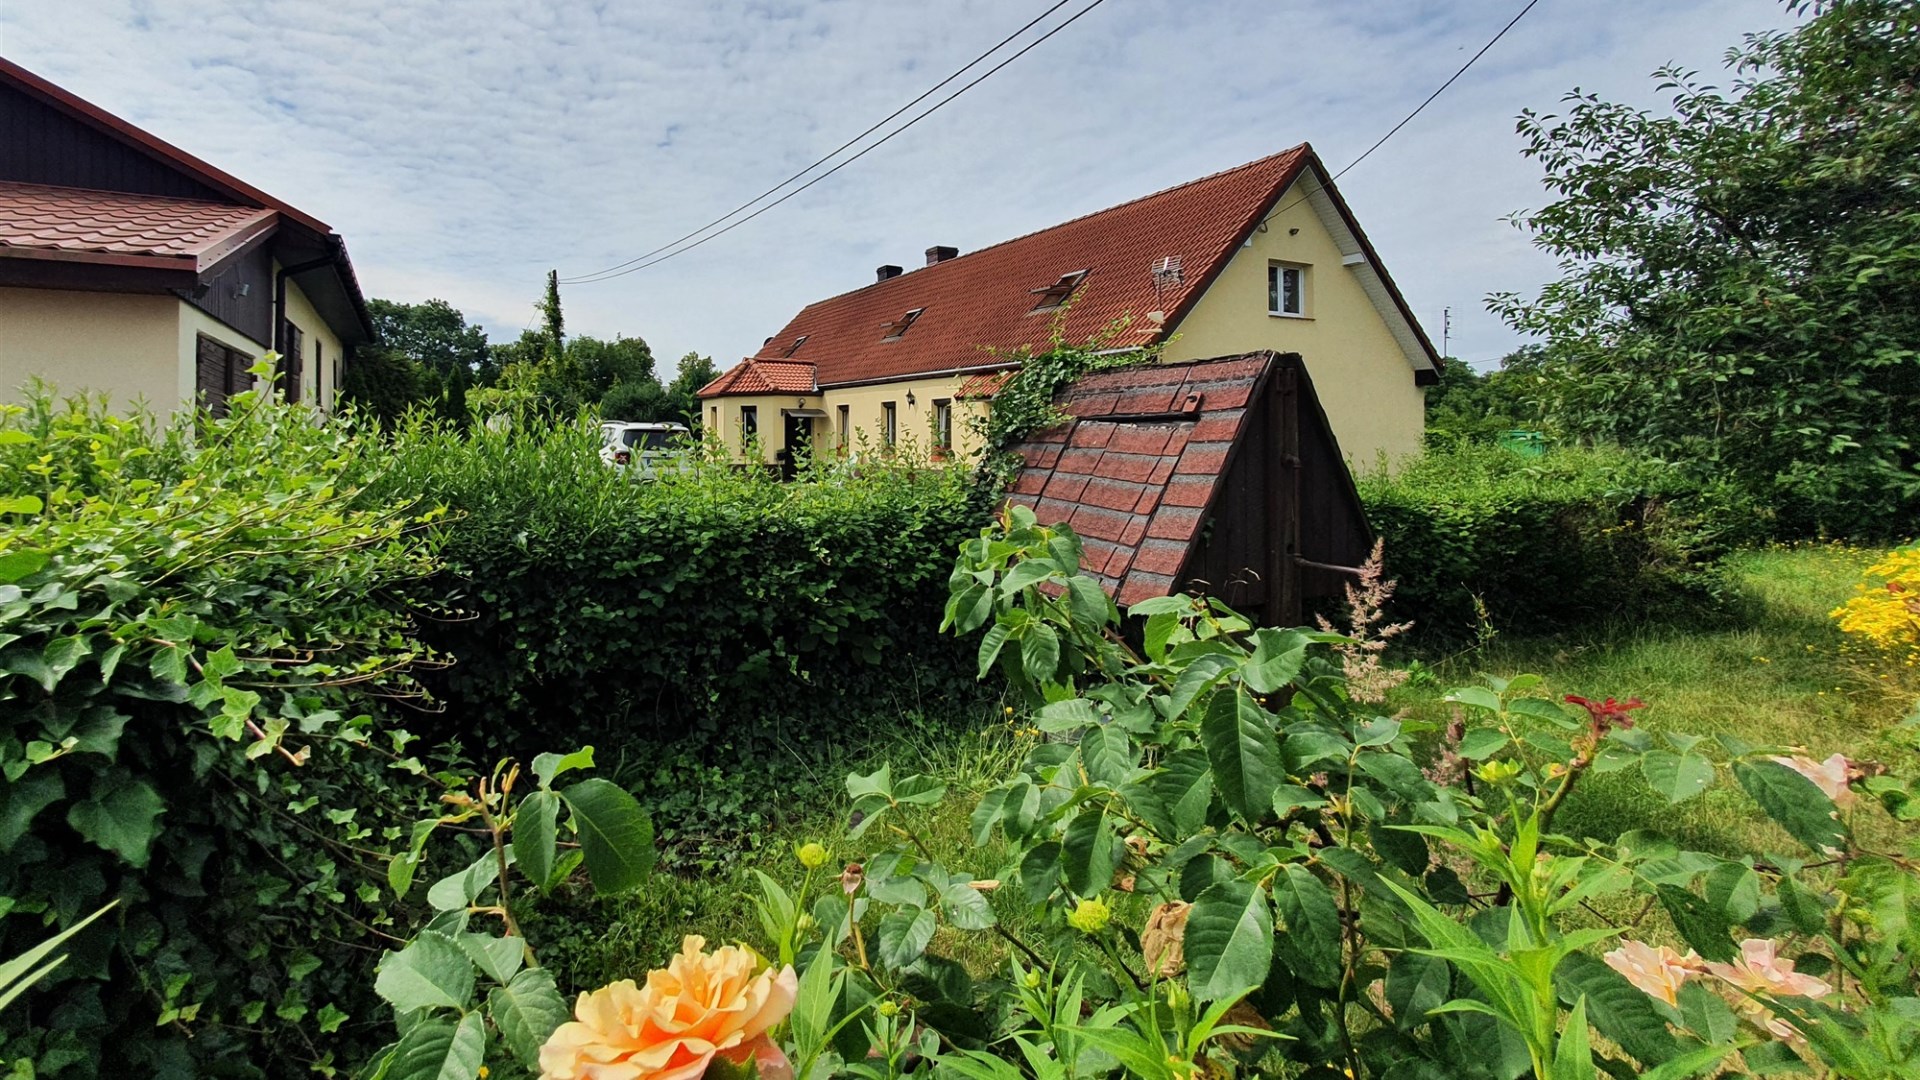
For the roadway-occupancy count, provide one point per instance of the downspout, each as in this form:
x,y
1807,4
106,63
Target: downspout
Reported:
x,y
280,303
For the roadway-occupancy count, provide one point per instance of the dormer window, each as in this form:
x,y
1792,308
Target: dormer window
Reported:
x,y
892,331
795,347
1056,295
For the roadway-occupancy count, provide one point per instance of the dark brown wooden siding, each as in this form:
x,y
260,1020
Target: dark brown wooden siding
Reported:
x,y
42,145
251,314
222,372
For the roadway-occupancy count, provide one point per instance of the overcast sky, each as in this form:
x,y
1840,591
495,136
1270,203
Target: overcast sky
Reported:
x,y
465,148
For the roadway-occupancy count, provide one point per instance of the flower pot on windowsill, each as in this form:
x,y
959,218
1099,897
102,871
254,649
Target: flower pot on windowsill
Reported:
x,y
940,454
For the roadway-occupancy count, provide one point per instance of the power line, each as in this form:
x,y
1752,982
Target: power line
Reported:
x,y
877,144
835,152
1418,109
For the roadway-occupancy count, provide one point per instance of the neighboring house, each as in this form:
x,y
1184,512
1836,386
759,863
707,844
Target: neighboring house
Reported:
x,y
1265,257
131,267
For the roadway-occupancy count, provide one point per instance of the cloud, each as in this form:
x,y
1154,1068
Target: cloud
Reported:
x,y
465,148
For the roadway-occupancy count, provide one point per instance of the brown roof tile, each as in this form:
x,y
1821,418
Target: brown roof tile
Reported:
x,y
982,303
42,221
1138,489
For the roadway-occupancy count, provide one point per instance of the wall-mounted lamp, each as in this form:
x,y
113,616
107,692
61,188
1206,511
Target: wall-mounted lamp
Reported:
x,y
241,290
799,403
909,397
1293,232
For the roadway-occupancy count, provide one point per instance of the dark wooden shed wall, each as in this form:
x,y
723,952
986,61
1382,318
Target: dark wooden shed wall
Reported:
x,y
40,144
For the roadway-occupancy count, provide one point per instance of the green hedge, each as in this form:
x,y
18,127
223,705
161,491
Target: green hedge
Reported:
x,y
1543,543
712,602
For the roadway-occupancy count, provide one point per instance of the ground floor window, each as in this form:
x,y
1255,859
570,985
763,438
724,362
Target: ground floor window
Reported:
x,y
846,412
889,423
749,423
943,425
220,373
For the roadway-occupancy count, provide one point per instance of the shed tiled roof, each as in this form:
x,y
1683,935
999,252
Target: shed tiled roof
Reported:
x,y
985,300
41,221
754,376
1137,469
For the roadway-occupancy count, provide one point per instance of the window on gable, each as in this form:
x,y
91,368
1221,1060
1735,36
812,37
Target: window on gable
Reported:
x,y
1056,295
893,330
1286,289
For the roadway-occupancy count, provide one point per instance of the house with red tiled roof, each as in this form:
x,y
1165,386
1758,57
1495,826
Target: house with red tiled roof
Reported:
x,y
130,267
1263,257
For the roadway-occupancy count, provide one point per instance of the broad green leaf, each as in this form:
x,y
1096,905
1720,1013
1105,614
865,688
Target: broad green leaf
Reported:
x,y
20,973
548,767
1677,777
459,889
1161,605
1184,783
1795,803
1701,924
1309,942
1735,889
991,643
437,1048
1027,574
1478,697
1089,852
122,816
1277,658
616,836
536,836
527,1010
22,800
1240,744
1067,714
498,957
1107,754
15,565
432,972
1705,1013
1416,985
20,504
1692,1063
1089,601
966,907
1229,940
1482,743
904,935
1200,674
813,1004
1805,908
1040,652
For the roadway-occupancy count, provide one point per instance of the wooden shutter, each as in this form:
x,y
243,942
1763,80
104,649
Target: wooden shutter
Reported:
x,y
295,343
212,380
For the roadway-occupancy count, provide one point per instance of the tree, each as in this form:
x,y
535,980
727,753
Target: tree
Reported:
x,y
424,355
695,371
1471,406
1740,285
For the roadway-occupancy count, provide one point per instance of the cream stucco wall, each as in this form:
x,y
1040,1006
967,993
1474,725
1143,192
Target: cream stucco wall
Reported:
x,y
318,352
1359,370
914,423
126,345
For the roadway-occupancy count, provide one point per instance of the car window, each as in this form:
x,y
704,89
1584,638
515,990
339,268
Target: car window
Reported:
x,y
657,440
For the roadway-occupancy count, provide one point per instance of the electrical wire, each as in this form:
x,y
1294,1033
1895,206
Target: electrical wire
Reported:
x,y
835,152
882,141
1418,109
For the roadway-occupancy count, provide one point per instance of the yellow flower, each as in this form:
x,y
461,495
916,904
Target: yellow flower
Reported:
x,y
811,855
1090,916
701,1006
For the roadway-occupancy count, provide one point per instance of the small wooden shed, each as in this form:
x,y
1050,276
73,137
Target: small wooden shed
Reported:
x,y
1218,476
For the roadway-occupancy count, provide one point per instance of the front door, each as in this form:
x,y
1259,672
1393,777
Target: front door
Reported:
x,y
799,442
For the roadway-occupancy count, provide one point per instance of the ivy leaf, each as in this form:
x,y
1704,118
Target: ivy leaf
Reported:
x,y
432,972
1245,756
904,935
536,836
1679,777
527,1010
616,836
1229,940
439,1049
122,816
1310,943
1795,803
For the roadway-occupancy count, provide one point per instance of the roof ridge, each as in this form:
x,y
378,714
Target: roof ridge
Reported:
x,y
1274,158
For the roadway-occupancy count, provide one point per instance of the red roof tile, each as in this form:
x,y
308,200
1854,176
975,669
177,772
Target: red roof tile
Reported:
x,y
752,376
40,221
983,387
1132,478
985,300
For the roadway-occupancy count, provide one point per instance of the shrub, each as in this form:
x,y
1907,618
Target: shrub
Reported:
x,y
712,601
1536,544
194,628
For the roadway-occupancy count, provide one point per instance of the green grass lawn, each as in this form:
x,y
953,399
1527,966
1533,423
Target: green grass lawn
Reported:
x,y
1774,672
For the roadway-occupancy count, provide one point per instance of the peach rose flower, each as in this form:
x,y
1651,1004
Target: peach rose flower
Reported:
x,y
1760,969
1829,776
702,1006
1656,972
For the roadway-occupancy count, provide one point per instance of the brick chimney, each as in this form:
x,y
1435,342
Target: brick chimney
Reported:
x,y
887,272
939,254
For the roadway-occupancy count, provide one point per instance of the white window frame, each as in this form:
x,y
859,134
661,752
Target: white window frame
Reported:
x,y
1275,270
